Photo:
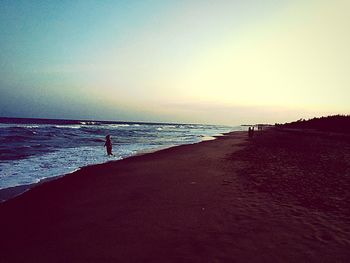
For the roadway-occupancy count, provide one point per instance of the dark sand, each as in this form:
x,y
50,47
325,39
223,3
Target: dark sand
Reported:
x,y
281,197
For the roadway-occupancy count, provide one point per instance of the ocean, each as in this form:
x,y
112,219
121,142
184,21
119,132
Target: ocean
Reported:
x,y
35,149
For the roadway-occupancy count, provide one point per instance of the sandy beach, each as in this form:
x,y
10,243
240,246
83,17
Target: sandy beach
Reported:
x,y
282,196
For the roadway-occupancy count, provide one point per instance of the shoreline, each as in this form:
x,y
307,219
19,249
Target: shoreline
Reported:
x,y
15,191
233,199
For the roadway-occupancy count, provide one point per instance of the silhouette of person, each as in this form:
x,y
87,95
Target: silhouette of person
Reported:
x,y
250,132
108,145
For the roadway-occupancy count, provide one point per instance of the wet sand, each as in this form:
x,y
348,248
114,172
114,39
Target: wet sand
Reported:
x,y
268,199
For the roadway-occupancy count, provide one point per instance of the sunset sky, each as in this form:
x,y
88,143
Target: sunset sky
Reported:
x,y
219,62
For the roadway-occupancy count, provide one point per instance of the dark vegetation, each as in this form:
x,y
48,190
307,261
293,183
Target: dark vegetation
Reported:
x,y
335,123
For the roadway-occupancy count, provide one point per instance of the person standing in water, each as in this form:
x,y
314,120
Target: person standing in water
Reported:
x,y
108,145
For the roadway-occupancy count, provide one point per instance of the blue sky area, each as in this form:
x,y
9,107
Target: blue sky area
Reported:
x,y
225,62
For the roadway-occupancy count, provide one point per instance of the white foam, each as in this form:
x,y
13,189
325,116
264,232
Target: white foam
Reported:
x,y
88,122
74,126
63,161
207,138
118,125
67,160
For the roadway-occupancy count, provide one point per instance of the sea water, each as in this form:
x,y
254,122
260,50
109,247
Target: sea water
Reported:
x,y
35,149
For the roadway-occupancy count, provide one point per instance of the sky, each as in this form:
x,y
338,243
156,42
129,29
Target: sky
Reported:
x,y
218,62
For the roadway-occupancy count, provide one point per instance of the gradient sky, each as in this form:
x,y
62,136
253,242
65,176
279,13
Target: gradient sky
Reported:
x,y
220,62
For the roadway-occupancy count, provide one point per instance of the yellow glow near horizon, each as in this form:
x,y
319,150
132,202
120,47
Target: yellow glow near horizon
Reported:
x,y
301,63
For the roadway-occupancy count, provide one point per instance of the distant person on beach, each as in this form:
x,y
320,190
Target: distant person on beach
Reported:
x,y
108,145
251,132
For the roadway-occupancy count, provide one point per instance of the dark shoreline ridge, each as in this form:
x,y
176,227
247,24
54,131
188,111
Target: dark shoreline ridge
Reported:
x,y
225,200
335,123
